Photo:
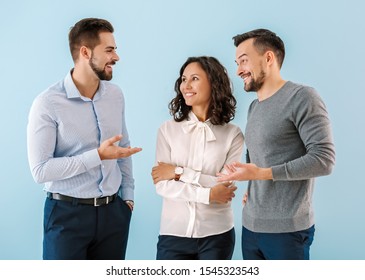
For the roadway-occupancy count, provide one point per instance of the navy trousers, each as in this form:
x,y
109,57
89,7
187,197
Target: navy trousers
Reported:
x,y
277,246
75,231
215,247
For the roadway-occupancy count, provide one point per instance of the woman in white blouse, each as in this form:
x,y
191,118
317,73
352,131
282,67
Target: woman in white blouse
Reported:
x,y
197,219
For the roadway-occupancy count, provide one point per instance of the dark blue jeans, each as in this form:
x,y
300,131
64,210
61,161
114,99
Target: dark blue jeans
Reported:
x,y
215,247
77,231
276,246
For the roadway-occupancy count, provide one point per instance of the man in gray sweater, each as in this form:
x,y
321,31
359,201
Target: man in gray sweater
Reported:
x,y
289,143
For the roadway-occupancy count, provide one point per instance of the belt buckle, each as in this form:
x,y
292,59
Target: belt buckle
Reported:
x,y
97,199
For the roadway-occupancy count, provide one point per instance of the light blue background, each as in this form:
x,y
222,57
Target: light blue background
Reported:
x,y
325,49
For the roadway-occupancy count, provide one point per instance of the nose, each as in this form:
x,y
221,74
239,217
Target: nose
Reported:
x,y
115,57
187,84
239,71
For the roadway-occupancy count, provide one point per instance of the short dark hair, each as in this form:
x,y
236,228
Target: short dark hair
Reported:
x,y
264,40
86,33
223,104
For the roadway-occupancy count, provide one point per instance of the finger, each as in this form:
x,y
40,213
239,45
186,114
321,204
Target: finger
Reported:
x,y
227,184
230,168
126,152
223,178
238,164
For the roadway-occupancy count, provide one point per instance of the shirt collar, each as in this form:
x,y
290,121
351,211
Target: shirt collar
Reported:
x,y
193,117
73,92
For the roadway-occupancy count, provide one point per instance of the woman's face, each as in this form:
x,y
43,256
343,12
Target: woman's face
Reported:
x,y
195,86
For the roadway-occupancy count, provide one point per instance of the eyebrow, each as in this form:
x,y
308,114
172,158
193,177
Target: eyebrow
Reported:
x,y
240,56
110,48
190,75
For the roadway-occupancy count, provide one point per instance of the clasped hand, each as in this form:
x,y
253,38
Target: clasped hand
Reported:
x,y
220,193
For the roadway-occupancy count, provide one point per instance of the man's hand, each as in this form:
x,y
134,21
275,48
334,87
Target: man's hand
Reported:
x,y
108,150
163,171
222,193
244,199
243,172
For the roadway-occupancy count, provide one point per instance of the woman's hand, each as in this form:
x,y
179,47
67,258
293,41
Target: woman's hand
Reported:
x,y
163,171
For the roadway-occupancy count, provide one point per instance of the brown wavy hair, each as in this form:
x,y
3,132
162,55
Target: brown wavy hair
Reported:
x,y
222,106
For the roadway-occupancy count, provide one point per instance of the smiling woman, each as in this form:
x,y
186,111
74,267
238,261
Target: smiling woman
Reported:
x,y
199,141
195,87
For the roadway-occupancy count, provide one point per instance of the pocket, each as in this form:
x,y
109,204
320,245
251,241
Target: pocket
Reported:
x,y
307,236
125,208
49,208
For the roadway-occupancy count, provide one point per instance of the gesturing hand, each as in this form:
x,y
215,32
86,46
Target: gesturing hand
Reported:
x,y
108,150
243,172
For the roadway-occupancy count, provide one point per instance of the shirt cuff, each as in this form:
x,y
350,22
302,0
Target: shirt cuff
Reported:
x,y
279,173
91,159
190,176
203,195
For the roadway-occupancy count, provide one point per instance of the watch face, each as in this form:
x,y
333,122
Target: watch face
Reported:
x,y
179,170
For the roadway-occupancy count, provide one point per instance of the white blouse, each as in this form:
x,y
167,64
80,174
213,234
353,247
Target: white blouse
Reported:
x,y
202,149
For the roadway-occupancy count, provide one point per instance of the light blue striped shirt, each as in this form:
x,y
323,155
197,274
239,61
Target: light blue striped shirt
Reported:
x,y
65,130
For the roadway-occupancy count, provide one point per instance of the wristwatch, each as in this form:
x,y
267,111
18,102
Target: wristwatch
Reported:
x,y
178,171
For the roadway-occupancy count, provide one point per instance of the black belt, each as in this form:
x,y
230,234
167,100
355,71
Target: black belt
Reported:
x,y
97,201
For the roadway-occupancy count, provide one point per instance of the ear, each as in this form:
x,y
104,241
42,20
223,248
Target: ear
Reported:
x,y
85,52
270,57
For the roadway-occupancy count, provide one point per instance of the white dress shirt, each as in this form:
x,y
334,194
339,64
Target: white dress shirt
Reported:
x,y
202,149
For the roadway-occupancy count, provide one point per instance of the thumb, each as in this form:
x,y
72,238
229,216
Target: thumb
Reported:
x,y
227,184
114,139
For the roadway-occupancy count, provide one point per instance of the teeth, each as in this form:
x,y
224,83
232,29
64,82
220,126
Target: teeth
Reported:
x,y
189,94
245,77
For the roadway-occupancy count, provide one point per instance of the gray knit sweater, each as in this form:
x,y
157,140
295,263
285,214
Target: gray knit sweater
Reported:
x,y
289,132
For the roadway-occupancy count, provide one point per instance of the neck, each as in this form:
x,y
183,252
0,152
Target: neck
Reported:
x,y
86,82
200,113
270,87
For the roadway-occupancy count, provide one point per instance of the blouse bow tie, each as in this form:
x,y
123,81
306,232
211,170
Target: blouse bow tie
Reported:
x,y
200,134
200,128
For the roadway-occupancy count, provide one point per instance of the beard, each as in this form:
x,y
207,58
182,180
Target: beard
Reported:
x,y
100,73
256,84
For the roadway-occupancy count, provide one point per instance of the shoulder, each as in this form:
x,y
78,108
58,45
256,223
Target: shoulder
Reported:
x,y
51,94
111,89
228,131
305,100
231,127
170,124
111,86
301,91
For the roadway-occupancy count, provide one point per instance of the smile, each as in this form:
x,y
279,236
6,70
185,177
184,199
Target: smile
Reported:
x,y
189,94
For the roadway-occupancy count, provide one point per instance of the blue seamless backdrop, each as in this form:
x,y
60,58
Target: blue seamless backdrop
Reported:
x,y
324,41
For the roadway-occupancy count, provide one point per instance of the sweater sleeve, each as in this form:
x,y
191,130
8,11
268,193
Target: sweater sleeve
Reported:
x,y
311,119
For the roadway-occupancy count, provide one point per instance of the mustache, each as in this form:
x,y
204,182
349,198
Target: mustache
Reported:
x,y
111,63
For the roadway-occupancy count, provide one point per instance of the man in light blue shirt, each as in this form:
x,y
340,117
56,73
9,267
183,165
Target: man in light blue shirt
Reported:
x,y
78,146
